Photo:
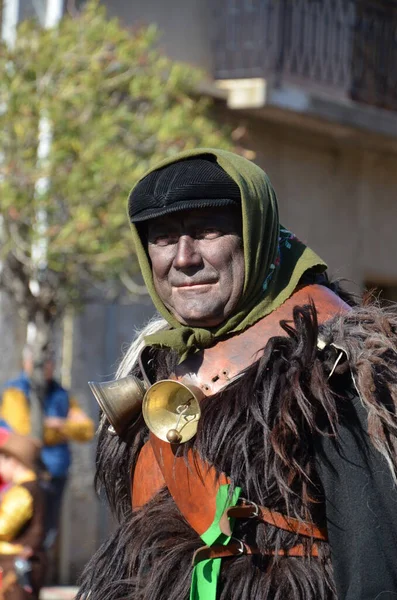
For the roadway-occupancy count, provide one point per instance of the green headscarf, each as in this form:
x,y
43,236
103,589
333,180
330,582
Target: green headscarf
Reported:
x,y
275,259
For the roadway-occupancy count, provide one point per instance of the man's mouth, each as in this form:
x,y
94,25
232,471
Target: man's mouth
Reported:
x,y
193,284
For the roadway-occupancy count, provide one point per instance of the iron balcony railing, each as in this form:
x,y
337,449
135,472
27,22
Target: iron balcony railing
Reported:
x,y
345,48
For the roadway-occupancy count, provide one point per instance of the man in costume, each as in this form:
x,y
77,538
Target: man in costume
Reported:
x,y
21,518
64,421
275,479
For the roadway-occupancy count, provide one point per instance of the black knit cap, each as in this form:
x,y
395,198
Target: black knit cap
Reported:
x,y
183,185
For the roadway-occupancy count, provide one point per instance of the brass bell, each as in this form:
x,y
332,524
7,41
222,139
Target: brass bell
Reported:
x,y
171,410
120,400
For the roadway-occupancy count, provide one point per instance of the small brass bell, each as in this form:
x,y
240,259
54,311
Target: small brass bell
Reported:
x,y
120,400
171,410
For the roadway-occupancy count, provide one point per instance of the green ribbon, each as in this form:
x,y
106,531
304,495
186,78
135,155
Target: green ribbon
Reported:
x,y
206,573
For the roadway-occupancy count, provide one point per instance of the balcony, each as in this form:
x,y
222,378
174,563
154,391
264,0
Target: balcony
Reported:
x,y
340,50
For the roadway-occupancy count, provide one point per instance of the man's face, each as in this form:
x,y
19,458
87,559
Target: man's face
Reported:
x,y
198,263
48,368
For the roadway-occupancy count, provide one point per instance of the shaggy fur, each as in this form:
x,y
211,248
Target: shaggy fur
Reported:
x,y
368,336
260,430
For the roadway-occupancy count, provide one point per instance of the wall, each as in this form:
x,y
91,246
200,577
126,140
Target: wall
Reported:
x,y
338,197
186,25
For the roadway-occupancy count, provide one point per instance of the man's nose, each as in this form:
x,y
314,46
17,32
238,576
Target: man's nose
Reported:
x,y
187,254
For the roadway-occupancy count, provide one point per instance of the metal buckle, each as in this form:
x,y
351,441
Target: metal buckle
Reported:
x,y
256,507
241,549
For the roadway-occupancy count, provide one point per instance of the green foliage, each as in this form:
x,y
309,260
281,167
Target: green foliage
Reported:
x,y
116,105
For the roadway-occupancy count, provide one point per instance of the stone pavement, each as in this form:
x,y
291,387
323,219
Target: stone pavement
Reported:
x,y
58,593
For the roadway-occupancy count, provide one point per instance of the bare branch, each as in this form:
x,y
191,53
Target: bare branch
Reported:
x,y
19,241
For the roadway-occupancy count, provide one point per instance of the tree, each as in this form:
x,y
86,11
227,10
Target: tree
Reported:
x,y
112,105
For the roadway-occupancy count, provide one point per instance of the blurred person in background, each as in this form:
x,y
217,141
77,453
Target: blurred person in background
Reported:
x,y
22,508
64,421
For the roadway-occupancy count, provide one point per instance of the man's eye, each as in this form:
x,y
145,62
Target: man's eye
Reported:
x,y
209,233
164,239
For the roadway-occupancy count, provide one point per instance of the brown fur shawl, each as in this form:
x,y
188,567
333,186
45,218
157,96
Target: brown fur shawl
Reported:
x,y
260,430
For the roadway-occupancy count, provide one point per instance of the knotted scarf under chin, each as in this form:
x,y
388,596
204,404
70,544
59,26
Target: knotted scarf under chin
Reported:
x,y
185,340
274,259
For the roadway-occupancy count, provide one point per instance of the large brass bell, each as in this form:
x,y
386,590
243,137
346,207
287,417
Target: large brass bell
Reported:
x,y
171,410
120,400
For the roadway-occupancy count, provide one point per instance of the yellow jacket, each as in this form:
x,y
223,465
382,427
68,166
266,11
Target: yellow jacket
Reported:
x,y
77,427
16,509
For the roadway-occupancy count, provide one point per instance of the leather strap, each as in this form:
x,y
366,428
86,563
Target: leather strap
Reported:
x,y
213,368
233,548
239,548
193,483
249,510
147,479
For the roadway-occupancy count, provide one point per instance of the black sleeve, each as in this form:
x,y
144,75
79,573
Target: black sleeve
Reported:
x,y
361,509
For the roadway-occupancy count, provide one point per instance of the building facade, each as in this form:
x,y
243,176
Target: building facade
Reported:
x,y
311,89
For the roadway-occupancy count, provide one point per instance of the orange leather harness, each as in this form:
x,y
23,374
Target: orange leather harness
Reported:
x,y
193,483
